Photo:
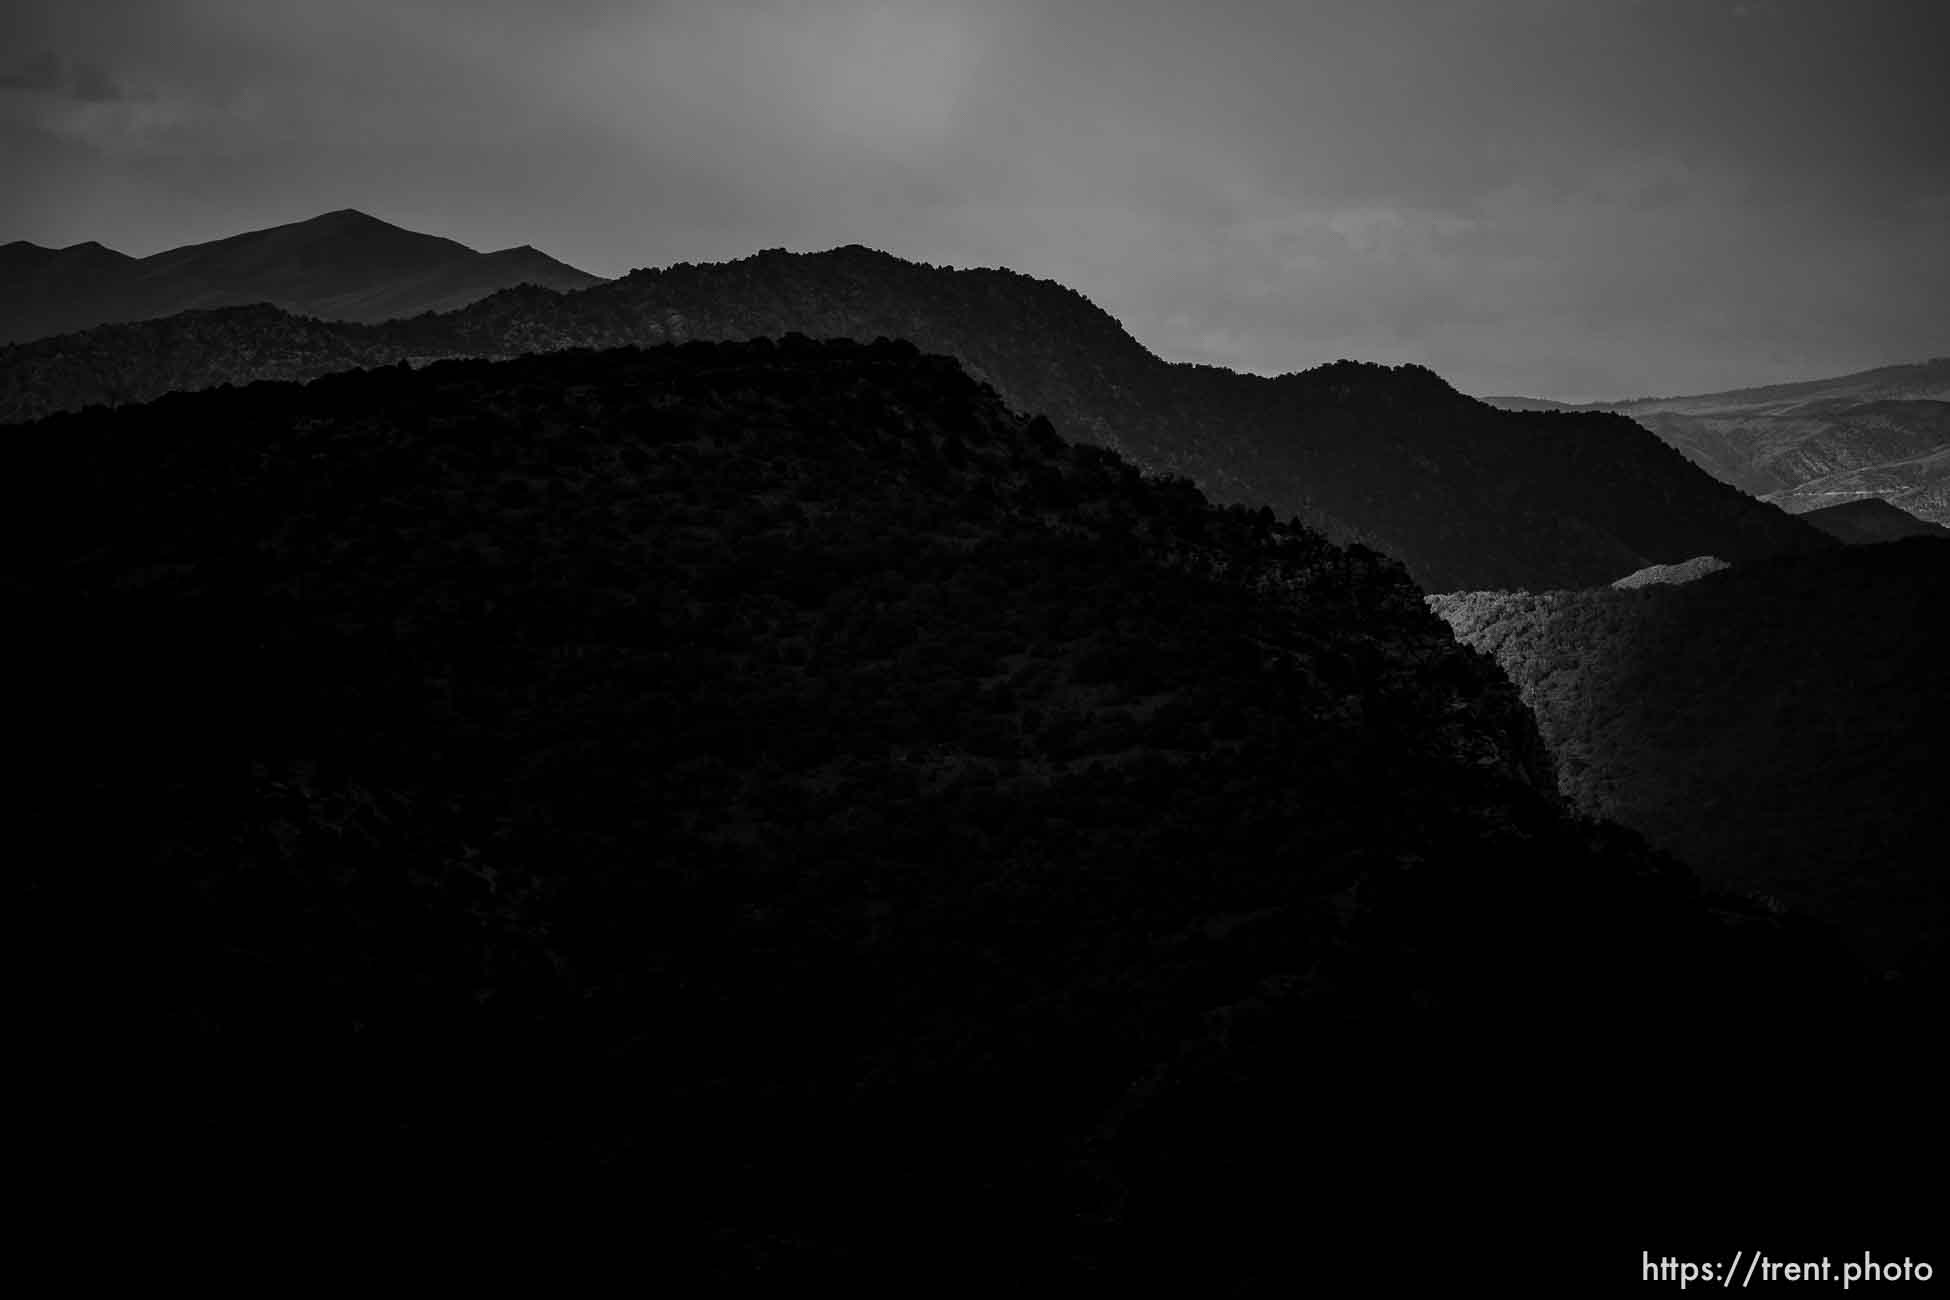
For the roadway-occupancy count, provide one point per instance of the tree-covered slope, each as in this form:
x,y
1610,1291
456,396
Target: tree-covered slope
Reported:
x,y
785,796
1462,493
1778,726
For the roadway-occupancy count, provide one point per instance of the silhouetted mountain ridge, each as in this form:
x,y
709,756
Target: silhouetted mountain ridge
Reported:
x,y
343,265
1465,495
1869,521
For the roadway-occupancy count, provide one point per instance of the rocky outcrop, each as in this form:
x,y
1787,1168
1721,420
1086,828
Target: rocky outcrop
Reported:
x,y
1691,570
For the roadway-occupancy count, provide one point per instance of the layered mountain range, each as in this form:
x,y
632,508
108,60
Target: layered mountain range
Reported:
x,y
784,780
343,265
1464,494
1880,434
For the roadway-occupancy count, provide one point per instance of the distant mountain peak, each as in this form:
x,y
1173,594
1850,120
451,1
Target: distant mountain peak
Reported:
x,y
346,216
85,246
864,251
1421,374
88,260
345,265
1409,375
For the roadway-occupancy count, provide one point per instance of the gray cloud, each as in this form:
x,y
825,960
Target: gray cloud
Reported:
x,y
91,83
1574,198
52,74
45,71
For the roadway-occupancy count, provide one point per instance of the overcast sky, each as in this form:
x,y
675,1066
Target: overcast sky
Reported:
x,y
1565,198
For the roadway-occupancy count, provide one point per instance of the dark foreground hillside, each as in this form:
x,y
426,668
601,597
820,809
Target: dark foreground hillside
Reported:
x,y
1465,495
1780,726
775,802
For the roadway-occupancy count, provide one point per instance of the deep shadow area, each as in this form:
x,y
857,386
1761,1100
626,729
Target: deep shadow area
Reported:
x,y
773,801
